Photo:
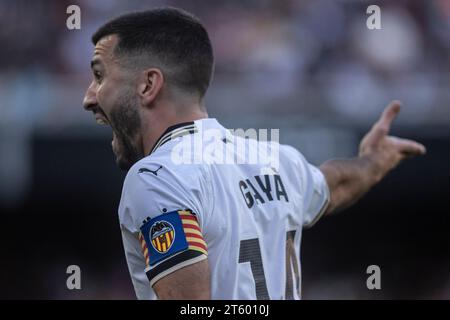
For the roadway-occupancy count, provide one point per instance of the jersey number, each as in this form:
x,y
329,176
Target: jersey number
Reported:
x,y
250,251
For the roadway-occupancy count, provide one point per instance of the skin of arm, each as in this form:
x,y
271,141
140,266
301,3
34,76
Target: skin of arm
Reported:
x,y
188,283
379,153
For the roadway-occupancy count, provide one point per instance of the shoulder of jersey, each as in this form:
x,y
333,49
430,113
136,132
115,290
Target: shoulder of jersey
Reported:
x,y
289,150
160,166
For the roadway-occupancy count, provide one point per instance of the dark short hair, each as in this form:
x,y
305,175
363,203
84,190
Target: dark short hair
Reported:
x,y
173,36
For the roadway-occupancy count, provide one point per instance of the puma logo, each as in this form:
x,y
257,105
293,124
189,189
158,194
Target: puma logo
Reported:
x,y
141,170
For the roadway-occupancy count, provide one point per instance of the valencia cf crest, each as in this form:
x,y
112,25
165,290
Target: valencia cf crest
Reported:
x,y
162,234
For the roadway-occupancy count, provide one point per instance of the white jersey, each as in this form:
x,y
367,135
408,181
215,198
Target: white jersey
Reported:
x,y
199,195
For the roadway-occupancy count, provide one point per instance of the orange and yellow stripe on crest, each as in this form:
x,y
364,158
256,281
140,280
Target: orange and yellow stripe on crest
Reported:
x,y
164,241
192,232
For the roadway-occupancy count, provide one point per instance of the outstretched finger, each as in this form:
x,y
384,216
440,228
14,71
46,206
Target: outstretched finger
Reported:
x,y
410,147
388,115
380,129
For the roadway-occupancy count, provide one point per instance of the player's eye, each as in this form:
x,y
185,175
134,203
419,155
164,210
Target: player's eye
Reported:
x,y
98,76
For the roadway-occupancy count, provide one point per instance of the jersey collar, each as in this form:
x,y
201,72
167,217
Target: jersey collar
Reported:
x,y
175,131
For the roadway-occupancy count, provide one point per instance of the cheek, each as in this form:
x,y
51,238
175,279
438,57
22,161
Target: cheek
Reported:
x,y
106,88
108,94
102,96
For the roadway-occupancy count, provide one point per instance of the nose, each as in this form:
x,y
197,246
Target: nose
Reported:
x,y
90,98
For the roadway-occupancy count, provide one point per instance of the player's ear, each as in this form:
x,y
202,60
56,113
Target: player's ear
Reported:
x,y
150,86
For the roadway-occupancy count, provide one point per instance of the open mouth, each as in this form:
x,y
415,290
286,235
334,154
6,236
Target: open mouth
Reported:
x,y
100,119
100,116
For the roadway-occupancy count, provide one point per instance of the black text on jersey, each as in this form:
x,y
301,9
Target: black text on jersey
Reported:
x,y
260,190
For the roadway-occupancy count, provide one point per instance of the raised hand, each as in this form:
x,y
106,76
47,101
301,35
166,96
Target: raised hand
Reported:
x,y
386,151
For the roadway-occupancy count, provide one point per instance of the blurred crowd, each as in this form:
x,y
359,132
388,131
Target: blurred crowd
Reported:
x,y
284,56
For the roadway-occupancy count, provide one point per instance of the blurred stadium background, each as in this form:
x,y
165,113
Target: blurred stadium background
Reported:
x,y
310,68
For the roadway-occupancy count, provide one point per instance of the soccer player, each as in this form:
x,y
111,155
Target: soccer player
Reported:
x,y
195,226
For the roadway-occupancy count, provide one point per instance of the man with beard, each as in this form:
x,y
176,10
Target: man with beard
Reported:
x,y
204,229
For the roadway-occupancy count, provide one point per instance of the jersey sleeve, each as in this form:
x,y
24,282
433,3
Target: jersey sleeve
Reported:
x,y
166,213
136,265
313,188
316,194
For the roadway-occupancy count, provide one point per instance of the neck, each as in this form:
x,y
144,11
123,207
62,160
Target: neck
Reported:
x,y
157,124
